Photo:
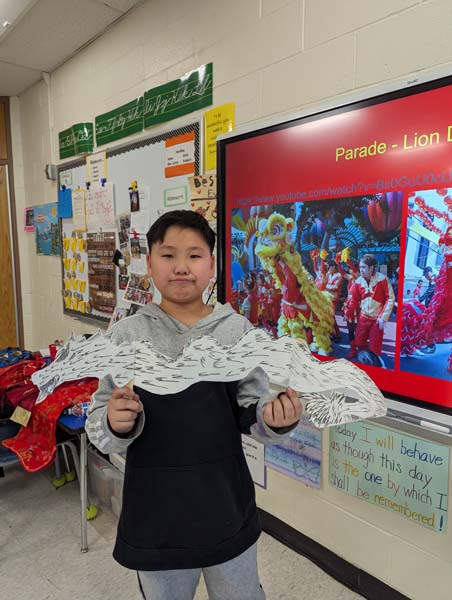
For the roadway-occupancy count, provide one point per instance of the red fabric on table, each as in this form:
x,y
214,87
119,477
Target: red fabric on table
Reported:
x,y
20,373
14,377
35,444
23,395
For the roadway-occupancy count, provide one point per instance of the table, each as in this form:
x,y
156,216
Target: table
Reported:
x,y
75,426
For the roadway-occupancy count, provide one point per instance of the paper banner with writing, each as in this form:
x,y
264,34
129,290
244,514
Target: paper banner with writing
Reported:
x,y
78,209
217,120
179,97
254,453
408,476
77,139
300,456
180,155
175,197
100,207
203,195
96,168
120,122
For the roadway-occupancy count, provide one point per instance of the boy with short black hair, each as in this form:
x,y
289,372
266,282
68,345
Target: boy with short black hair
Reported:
x,y
188,502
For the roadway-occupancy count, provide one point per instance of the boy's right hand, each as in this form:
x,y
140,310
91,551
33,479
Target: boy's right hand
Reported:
x,y
122,410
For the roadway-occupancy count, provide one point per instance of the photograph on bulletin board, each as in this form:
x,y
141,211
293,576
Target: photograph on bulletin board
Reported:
x,y
336,229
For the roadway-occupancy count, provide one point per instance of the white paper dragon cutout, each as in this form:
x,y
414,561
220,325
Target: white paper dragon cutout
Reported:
x,y
332,393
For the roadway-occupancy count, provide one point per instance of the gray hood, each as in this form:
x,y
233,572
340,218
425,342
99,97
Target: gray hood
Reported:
x,y
170,335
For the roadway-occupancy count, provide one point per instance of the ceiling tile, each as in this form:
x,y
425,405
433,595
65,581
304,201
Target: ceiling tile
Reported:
x,y
14,79
50,32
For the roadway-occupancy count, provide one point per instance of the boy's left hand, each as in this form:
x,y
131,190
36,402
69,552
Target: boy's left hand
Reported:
x,y
283,411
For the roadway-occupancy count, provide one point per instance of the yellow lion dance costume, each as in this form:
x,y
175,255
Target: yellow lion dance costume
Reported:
x,y
303,305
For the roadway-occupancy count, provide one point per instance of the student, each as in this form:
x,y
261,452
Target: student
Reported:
x,y
188,500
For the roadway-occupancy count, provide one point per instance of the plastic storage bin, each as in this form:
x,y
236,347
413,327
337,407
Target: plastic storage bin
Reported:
x,y
105,481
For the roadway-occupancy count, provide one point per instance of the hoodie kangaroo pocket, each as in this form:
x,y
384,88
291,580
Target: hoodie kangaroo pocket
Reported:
x,y
183,507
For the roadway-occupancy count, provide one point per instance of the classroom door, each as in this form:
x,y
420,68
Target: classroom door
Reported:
x,y
8,333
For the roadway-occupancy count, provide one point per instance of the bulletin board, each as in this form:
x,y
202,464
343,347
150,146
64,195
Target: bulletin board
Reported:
x,y
161,188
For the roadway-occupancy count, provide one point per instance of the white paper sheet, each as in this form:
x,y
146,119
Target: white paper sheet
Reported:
x,y
78,358
332,393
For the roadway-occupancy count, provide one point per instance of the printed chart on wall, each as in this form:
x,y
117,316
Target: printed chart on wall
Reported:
x,y
300,456
337,229
408,476
112,199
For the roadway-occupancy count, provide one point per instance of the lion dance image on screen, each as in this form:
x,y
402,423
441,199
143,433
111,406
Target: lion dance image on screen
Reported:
x,y
426,333
325,271
306,312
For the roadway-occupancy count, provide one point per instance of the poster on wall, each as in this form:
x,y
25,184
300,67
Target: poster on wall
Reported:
x,y
29,219
342,236
299,456
75,269
217,120
79,209
203,195
96,168
100,207
47,231
180,155
101,272
406,475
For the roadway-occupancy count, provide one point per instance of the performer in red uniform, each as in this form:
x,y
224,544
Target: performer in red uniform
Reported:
x,y
373,294
351,276
250,304
318,263
333,286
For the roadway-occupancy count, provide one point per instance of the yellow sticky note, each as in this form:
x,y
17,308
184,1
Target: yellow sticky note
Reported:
x,y
21,416
219,119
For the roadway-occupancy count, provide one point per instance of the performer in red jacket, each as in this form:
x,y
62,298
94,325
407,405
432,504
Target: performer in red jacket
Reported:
x,y
373,294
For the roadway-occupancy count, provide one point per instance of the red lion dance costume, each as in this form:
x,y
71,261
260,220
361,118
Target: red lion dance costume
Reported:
x,y
306,312
423,326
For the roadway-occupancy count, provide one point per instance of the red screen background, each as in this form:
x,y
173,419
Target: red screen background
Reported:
x,y
300,157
